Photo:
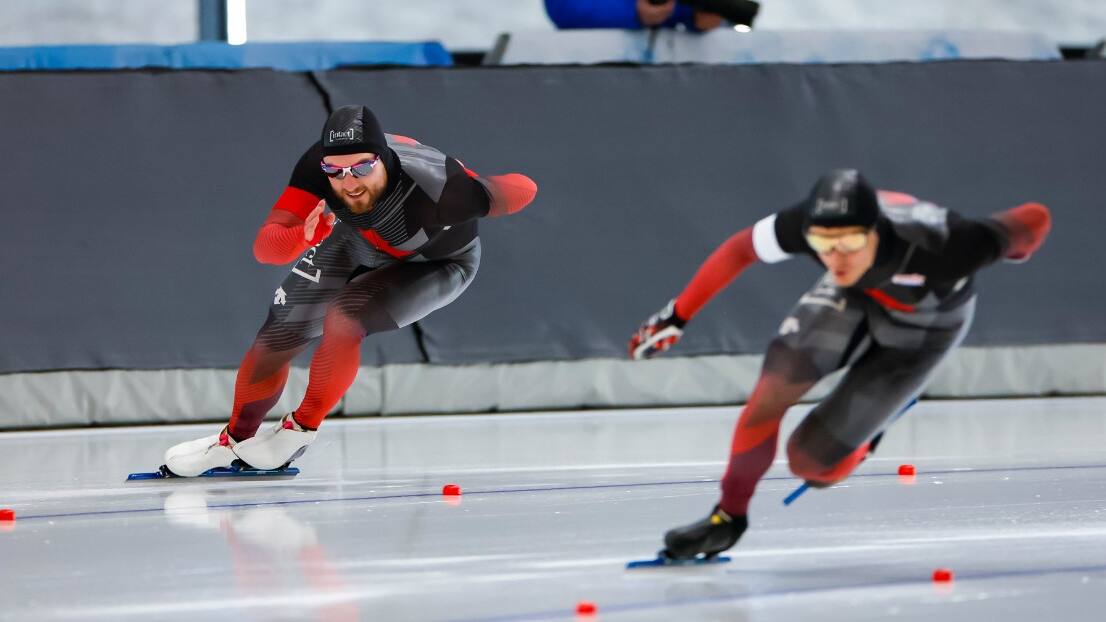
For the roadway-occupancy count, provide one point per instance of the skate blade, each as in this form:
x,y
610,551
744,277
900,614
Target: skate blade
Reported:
x,y
222,472
663,560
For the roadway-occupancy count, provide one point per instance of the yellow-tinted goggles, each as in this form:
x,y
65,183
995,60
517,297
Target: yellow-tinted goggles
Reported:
x,y
848,243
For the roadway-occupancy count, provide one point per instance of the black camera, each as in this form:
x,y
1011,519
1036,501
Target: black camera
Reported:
x,y
741,12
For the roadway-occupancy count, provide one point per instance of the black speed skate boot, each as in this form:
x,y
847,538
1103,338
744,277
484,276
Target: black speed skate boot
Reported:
x,y
707,537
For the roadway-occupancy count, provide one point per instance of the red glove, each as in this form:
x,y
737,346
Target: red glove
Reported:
x,y
1028,226
509,193
317,225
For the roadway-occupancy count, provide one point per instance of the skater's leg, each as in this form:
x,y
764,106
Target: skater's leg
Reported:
x,y
753,447
818,337
335,363
781,384
380,300
258,386
787,374
836,436
262,376
295,320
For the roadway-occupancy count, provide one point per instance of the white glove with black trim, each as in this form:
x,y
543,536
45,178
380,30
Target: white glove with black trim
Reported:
x,y
660,332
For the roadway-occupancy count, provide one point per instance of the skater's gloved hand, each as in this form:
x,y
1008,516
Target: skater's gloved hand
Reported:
x,y
1027,226
508,194
318,225
660,332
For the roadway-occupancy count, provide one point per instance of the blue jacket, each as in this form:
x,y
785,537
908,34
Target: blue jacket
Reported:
x,y
609,14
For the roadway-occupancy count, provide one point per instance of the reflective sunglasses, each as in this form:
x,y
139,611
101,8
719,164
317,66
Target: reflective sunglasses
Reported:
x,y
848,243
361,169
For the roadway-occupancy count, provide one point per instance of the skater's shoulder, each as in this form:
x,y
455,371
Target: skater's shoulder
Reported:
x,y
902,208
921,223
426,165
410,150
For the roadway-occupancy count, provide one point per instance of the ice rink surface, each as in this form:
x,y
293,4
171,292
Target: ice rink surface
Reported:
x,y
1010,495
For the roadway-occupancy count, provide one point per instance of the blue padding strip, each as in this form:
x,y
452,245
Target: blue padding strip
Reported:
x,y
300,56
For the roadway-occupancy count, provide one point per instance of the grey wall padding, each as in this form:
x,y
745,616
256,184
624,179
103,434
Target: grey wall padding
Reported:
x,y
643,171
132,198
131,204
78,398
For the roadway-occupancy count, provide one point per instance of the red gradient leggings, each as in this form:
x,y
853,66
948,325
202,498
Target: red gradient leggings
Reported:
x,y
341,290
830,329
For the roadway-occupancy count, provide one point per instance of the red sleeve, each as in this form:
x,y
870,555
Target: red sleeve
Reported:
x,y
724,264
296,201
280,239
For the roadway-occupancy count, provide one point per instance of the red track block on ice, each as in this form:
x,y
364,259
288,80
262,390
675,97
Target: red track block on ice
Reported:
x,y
942,575
907,469
451,490
586,608
7,515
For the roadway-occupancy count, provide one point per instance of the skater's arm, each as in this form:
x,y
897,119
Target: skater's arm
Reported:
x,y
664,328
770,240
1013,234
466,195
730,259
296,222
281,238
1023,229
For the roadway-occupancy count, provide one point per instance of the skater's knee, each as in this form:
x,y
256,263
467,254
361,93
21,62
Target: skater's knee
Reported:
x,y
801,459
353,318
279,337
817,470
814,455
342,321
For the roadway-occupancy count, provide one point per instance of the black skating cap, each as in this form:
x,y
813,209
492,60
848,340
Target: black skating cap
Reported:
x,y
353,129
842,198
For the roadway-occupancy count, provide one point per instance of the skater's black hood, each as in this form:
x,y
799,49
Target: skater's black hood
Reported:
x,y
355,129
842,198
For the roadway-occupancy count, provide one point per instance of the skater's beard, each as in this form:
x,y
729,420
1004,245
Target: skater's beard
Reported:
x,y
366,200
358,194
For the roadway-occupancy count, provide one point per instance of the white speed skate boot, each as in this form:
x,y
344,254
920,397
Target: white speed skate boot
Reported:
x,y
193,458
276,447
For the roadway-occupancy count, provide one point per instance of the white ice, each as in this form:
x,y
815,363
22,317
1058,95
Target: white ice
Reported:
x,y
1010,495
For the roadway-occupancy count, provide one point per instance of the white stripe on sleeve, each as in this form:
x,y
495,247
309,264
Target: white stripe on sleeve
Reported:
x,y
765,244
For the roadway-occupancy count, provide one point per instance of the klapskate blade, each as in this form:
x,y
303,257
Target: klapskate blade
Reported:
x,y
662,561
222,472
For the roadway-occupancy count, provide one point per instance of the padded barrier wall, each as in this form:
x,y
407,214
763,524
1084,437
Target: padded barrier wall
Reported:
x,y
133,197
723,46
